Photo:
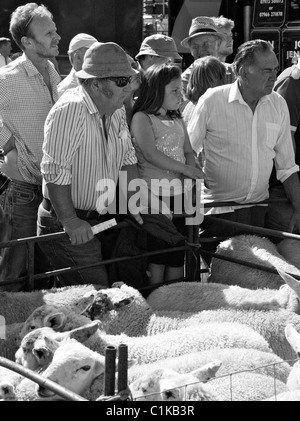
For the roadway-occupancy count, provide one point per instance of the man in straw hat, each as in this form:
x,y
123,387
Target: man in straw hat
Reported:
x,y
86,143
157,49
203,40
77,48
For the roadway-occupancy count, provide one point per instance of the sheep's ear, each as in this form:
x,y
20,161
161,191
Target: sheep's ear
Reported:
x,y
132,363
292,337
207,372
123,303
56,321
83,333
290,281
117,284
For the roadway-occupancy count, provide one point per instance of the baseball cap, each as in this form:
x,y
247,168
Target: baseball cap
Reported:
x,y
103,60
79,41
158,45
202,25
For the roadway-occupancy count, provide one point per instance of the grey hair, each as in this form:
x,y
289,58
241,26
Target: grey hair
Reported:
x,y
222,22
246,53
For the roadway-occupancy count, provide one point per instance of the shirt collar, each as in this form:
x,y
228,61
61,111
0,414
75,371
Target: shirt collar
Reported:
x,y
91,106
33,71
235,94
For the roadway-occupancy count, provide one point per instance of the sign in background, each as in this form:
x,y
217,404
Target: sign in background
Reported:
x,y
271,13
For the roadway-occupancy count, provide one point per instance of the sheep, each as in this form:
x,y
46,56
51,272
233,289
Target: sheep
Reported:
x,y
16,307
58,318
232,360
77,371
68,363
251,249
76,367
167,385
148,349
136,318
196,296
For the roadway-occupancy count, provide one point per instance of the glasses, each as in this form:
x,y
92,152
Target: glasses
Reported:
x,y
120,81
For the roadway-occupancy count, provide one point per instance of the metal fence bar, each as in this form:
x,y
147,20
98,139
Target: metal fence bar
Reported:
x,y
42,381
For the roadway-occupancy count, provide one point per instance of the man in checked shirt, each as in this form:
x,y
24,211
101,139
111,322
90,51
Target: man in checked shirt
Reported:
x,y
28,89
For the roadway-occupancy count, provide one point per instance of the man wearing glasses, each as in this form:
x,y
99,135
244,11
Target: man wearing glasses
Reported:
x,y
87,143
28,91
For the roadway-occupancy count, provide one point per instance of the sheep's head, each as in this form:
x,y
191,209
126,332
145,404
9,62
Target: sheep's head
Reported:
x,y
117,306
169,385
74,367
7,392
44,316
37,347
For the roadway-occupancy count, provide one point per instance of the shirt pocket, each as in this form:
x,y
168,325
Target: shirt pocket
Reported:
x,y
272,134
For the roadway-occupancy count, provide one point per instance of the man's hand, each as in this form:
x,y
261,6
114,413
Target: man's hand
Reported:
x,y
78,230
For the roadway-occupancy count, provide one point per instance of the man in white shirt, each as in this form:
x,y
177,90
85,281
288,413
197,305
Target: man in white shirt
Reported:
x,y
240,128
77,48
5,50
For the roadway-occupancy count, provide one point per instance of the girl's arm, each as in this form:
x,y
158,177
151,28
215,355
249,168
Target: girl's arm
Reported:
x,y
190,156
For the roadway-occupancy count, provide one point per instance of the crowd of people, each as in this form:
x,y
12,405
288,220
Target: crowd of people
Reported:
x,y
123,137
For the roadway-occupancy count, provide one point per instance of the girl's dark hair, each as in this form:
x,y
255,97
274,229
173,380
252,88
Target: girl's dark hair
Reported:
x,y
152,89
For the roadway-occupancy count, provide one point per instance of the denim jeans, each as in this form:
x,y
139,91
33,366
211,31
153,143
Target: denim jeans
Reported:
x,y
62,254
20,202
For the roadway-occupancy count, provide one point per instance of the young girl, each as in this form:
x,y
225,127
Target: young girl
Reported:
x,y
164,153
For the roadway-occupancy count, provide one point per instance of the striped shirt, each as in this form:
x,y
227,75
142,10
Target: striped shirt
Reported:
x,y
25,102
239,145
77,153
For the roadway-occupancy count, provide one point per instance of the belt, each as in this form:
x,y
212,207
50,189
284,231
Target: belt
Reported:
x,y
82,214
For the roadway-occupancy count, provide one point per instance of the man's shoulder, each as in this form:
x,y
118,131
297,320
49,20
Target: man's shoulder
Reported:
x,y
11,70
289,75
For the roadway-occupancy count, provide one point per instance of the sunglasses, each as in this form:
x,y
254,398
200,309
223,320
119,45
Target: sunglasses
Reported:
x,y
120,81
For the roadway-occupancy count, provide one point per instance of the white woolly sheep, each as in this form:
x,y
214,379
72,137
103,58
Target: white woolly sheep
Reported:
x,y
250,249
233,360
16,307
137,318
196,296
270,324
167,385
151,348
76,367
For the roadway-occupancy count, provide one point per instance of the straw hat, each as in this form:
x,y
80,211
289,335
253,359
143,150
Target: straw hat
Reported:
x,y
202,25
